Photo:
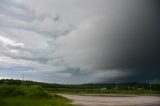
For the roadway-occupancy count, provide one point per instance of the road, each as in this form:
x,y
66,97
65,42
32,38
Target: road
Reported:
x,y
113,100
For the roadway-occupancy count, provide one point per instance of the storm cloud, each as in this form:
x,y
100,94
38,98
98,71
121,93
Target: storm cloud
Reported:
x,y
126,40
79,41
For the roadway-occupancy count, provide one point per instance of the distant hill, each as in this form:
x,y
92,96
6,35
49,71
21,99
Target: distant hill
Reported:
x,y
126,85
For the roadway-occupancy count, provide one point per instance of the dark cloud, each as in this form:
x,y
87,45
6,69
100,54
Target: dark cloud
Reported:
x,y
135,43
124,39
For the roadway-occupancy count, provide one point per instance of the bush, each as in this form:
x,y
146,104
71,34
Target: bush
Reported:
x,y
28,91
36,92
8,90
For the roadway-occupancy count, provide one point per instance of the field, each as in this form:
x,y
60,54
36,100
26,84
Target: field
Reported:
x,y
100,91
13,95
24,101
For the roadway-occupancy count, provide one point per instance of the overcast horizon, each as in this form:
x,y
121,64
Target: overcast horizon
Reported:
x,y
80,41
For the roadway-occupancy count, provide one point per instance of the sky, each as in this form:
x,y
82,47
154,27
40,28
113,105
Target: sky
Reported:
x,y
80,41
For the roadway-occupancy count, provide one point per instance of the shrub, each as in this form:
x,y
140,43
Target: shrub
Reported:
x,y
28,91
8,90
36,92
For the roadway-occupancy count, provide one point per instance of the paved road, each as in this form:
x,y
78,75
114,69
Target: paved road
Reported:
x,y
113,100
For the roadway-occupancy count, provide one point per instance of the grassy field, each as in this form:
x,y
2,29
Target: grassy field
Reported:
x,y
100,91
25,101
12,95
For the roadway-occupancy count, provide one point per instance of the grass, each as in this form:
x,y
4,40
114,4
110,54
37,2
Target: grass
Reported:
x,y
99,91
25,101
12,95
27,91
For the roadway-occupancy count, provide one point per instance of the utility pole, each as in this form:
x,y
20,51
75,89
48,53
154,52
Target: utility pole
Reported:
x,y
23,77
116,85
150,87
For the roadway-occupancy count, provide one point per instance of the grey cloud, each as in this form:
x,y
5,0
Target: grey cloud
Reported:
x,y
126,41
18,16
15,10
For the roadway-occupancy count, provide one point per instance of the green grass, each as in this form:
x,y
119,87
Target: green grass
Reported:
x,y
25,101
13,95
99,91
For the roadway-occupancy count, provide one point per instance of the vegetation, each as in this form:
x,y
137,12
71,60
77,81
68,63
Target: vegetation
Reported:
x,y
33,89
111,86
22,95
30,93
100,91
27,91
24,101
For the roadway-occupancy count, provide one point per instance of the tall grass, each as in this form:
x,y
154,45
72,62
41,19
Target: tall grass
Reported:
x,y
27,91
24,101
13,95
